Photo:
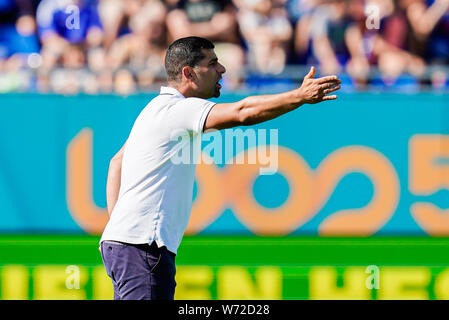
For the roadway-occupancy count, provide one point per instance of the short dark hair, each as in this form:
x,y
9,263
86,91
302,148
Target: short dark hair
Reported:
x,y
184,52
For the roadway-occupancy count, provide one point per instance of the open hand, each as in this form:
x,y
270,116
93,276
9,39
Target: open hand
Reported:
x,y
317,90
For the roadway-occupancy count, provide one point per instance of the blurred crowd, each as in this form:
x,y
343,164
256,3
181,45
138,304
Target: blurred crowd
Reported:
x,y
102,46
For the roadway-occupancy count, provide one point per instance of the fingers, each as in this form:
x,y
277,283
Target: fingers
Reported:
x,y
333,79
333,97
329,85
311,73
332,89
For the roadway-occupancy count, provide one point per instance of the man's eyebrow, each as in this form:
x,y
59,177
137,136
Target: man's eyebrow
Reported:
x,y
213,60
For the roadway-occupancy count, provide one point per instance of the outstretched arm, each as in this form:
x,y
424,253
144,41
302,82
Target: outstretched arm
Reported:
x,y
114,178
257,109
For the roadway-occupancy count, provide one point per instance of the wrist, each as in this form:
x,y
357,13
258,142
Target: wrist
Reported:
x,y
299,97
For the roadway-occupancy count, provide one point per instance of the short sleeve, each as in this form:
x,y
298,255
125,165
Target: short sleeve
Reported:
x,y
190,114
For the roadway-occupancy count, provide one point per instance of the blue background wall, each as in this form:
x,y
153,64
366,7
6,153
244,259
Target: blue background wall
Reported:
x,y
35,131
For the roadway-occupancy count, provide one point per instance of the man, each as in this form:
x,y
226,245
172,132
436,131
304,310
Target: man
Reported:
x,y
150,196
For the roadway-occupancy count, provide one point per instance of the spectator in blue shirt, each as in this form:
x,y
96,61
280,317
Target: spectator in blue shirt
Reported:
x,y
17,28
64,23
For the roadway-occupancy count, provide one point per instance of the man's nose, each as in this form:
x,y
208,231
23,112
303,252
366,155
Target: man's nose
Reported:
x,y
221,68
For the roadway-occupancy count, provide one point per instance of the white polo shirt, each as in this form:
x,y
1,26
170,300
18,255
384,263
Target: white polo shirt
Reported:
x,y
155,197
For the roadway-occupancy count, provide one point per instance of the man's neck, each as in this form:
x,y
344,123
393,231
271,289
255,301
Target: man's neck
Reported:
x,y
186,91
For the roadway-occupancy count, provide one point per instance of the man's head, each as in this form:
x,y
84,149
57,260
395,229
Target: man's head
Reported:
x,y
191,65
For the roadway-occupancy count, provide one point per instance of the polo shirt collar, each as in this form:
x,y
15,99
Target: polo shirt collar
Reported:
x,y
170,90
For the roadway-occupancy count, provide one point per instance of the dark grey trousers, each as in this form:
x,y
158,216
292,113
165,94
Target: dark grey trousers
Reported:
x,y
139,271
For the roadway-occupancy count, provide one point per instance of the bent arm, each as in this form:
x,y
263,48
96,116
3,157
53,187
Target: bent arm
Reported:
x,y
424,20
257,109
114,179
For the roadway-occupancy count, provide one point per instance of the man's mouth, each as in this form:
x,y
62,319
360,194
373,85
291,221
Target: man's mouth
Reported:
x,y
218,84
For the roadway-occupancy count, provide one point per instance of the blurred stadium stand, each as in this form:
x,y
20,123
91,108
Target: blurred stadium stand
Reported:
x,y
117,46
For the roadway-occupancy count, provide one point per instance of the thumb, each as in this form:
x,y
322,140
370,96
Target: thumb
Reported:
x,y
311,73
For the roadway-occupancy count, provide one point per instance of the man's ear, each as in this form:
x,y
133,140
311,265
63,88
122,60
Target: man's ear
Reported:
x,y
188,73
